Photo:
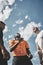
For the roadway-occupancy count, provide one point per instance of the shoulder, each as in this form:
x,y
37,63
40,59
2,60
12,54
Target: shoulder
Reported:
x,y
24,41
12,41
40,34
41,31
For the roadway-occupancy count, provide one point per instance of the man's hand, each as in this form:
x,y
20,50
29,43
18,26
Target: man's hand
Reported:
x,y
30,56
5,54
39,52
40,56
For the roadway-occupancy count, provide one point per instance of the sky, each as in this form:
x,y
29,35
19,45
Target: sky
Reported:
x,y
20,16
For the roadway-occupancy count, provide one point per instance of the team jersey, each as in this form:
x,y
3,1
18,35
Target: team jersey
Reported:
x,y
20,50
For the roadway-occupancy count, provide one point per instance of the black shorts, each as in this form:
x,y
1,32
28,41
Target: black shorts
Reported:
x,y
21,60
3,62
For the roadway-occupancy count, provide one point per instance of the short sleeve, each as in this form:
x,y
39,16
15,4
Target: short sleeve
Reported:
x,y
11,43
27,45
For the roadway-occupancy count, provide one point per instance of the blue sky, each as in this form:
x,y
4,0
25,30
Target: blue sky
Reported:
x,y
19,16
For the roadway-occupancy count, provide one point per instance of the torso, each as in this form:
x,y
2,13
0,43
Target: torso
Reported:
x,y
20,50
39,39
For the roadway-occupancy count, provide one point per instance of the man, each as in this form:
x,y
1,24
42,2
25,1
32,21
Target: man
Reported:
x,y
3,51
20,49
39,43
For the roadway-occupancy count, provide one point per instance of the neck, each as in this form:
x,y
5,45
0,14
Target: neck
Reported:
x,y
37,32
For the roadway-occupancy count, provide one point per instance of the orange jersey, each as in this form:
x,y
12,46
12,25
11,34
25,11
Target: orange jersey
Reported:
x,y
20,50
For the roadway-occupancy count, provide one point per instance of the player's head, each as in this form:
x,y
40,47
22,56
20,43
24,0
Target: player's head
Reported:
x,y
35,29
2,25
17,36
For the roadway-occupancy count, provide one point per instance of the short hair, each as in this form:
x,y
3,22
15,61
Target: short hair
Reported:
x,y
35,29
18,34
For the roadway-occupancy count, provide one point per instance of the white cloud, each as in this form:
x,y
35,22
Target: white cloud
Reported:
x,y
15,6
13,25
1,16
11,1
36,24
1,0
1,7
39,25
6,29
10,36
3,4
27,32
21,28
5,39
27,17
19,21
5,10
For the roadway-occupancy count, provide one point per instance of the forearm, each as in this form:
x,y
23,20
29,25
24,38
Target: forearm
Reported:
x,y
40,57
13,47
40,54
2,46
